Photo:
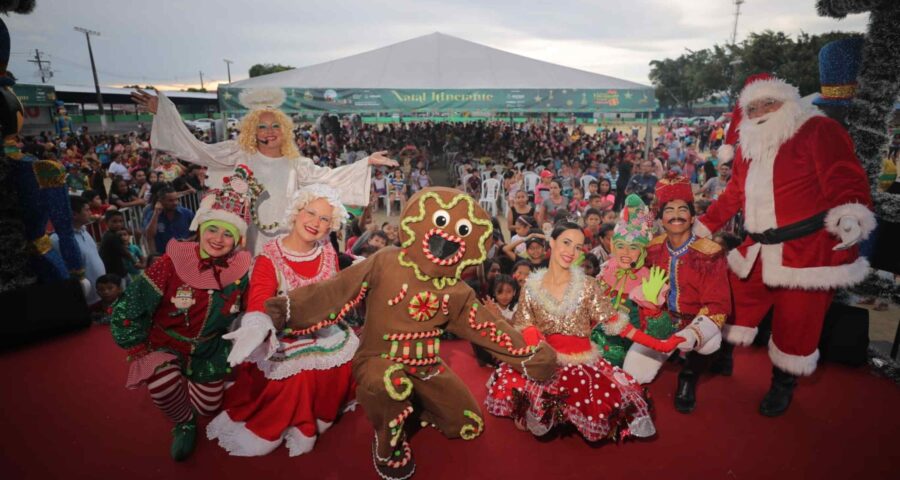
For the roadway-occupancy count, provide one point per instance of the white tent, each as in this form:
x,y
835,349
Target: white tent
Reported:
x,y
440,72
438,61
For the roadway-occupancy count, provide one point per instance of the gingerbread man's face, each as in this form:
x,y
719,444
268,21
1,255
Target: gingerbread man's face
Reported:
x,y
442,232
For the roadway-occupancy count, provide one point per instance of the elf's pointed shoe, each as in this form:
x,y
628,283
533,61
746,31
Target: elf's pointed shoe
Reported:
x,y
184,439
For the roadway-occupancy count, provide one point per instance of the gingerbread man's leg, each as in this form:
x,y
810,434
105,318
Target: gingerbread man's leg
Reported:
x,y
385,393
448,405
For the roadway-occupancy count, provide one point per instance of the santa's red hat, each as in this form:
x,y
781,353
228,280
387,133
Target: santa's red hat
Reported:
x,y
765,85
726,152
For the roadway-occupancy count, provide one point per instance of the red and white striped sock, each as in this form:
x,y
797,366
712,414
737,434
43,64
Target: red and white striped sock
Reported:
x,y
167,390
206,397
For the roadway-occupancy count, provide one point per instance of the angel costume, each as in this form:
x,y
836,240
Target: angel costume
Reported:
x,y
279,176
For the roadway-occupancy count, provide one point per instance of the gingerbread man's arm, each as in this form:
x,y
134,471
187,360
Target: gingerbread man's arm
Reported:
x,y
476,324
312,307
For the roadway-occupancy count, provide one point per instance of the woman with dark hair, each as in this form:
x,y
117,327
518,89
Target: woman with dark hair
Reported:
x,y
560,305
122,196
554,203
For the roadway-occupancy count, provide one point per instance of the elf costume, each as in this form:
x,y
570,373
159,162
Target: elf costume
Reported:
x,y
630,286
171,320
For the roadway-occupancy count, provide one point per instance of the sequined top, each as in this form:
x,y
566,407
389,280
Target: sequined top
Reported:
x,y
582,307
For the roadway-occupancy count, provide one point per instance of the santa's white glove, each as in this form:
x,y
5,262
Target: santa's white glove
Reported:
x,y
255,327
702,336
850,232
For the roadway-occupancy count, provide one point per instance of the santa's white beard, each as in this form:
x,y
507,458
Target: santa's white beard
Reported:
x,y
761,137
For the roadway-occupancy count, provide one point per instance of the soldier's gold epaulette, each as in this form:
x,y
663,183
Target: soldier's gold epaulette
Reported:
x,y
658,240
706,247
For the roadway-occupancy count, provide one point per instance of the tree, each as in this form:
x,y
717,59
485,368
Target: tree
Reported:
x,y
267,68
721,69
196,90
145,87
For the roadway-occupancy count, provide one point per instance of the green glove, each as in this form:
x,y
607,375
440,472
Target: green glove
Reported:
x,y
651,286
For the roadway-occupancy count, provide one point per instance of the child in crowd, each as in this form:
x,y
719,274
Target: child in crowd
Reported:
x,y
114,253
578,203
504,296
95,203
591,229
591,265
109,287
522,227
520,272
135,261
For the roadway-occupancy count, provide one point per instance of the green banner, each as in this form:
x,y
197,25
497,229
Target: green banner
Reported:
x,y
409,100
35,95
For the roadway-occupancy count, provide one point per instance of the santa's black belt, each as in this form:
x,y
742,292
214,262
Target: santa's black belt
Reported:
x,y
790,232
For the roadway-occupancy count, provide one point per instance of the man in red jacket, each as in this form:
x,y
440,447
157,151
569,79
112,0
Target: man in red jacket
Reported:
x,y
806,204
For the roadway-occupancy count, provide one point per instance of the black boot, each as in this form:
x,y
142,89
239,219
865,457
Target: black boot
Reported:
x,y
685,393
724,361
778,398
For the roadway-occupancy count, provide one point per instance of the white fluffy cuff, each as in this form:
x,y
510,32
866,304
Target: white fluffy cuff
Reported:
x,y
860,212
738,335
725,153
614,326
794,364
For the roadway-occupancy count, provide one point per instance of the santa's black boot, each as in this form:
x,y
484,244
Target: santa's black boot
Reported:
x,y
685,393
724,361
778,398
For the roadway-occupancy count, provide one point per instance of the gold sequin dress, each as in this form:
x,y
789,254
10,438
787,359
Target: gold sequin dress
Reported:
x,y
599,399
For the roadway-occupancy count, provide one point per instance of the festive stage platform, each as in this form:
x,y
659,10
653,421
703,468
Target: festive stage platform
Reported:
x,y
66,414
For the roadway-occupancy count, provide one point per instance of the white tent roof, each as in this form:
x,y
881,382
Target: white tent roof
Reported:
x,y
437,61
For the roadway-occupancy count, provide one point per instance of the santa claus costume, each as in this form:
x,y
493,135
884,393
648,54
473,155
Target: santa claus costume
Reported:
x,y
806,205
294,384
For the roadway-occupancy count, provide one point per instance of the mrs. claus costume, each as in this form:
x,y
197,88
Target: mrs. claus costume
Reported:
x,y
806,204
293,386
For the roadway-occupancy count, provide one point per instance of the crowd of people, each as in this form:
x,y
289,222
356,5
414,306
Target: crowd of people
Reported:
x,y
602,269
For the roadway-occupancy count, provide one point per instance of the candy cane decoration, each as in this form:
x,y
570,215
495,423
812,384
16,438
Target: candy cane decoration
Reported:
x,y
400,296
501,338
450,238
413,336
445,304
332,318
413,362
468,432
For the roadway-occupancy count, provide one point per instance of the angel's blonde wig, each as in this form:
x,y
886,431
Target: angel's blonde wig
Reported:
x,y
249,124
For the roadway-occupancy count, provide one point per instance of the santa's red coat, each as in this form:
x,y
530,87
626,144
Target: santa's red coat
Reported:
x,y
814,171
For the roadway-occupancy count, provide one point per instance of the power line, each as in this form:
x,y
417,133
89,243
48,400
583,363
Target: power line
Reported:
x,y
44,74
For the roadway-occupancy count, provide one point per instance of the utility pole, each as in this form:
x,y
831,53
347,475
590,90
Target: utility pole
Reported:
x,y
201,81
87,34
737,14
40,64
228,65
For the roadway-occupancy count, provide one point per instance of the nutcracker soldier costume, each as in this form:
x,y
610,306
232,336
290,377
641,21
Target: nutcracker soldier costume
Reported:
x,y
698,300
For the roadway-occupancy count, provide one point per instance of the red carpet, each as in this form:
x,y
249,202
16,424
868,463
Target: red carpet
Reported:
x,y
67,414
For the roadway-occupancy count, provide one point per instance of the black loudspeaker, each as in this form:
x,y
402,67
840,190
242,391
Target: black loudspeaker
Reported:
x,y
845,335
37,312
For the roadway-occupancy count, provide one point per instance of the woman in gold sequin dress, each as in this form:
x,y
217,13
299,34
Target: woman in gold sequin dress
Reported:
x,y
561,305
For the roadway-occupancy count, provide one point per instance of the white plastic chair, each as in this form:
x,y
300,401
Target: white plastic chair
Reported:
x,y
519,166
490,192
540,169
485,175
585,181
531,180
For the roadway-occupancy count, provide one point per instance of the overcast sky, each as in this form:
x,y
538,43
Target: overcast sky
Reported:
x,y
167,42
